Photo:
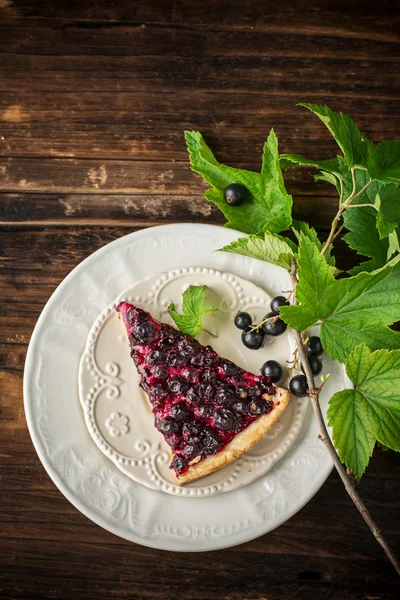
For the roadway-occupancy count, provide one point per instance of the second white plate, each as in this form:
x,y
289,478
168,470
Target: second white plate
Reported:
x,y
117,412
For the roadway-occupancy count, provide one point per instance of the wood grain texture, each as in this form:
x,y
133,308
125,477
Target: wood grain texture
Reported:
x,y
94,98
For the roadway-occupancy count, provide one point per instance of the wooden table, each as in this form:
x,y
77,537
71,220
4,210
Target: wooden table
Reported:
x,y
94,100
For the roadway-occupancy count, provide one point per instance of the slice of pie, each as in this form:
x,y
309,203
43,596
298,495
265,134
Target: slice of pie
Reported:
x,y
209,410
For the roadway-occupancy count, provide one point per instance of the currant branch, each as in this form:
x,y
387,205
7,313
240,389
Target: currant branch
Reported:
x,y
347,479
343,205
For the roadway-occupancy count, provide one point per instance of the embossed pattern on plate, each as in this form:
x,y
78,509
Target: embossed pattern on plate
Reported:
x,y
117,411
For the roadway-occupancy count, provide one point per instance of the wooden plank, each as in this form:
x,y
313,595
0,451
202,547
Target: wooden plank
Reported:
x,y
246,15
61,175
133,125
132,210
138,39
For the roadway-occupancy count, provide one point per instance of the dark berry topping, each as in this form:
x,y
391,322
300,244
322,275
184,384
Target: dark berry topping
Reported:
x,y
209,375
225,395
259,406
160,372
176,360
242,392
192,449
277,302
188,347
168,425
193,396
273,370
298,385
156,357
189,375
230,368
205,410
158,390
235,194
209,358
253,338
225,419
272,327
206,391
176,386
242,407
191,429
144,332
134,315
314,346
178,411
210,442
179,464
243,320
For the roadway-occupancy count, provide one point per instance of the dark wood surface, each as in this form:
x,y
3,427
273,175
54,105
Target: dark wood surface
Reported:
x,y
94,97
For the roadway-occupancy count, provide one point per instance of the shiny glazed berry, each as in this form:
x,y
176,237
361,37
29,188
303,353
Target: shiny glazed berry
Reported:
x,y
144,332
168,425
230,368
178,411
176,386
258,406
242,407
156,357
210,442
298,385
224,419
206,391
243,320
277,302
161,372
315,364
253,339
314,346
274,328
272,369
235,194
178,463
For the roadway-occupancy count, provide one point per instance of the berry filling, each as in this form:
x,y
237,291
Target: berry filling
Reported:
x,y
200,401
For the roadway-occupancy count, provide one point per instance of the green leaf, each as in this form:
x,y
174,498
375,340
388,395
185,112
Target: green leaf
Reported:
x,y
268,206
273,249
352,311
363,236
389,201
352,435
369,227
301,227
194,309
292,160
369,413
329,178
383,161
344,131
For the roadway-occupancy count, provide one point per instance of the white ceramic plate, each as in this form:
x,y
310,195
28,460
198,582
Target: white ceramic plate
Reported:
x,y
77,466
117,412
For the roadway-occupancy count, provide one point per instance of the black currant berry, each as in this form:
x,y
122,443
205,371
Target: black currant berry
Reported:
x,y
273,370
274,327
298,385
315,364
243,320
235,194
253,338
277,302
314,346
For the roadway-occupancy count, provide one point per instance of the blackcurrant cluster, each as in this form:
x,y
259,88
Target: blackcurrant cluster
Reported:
x,y
298,384
254,336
